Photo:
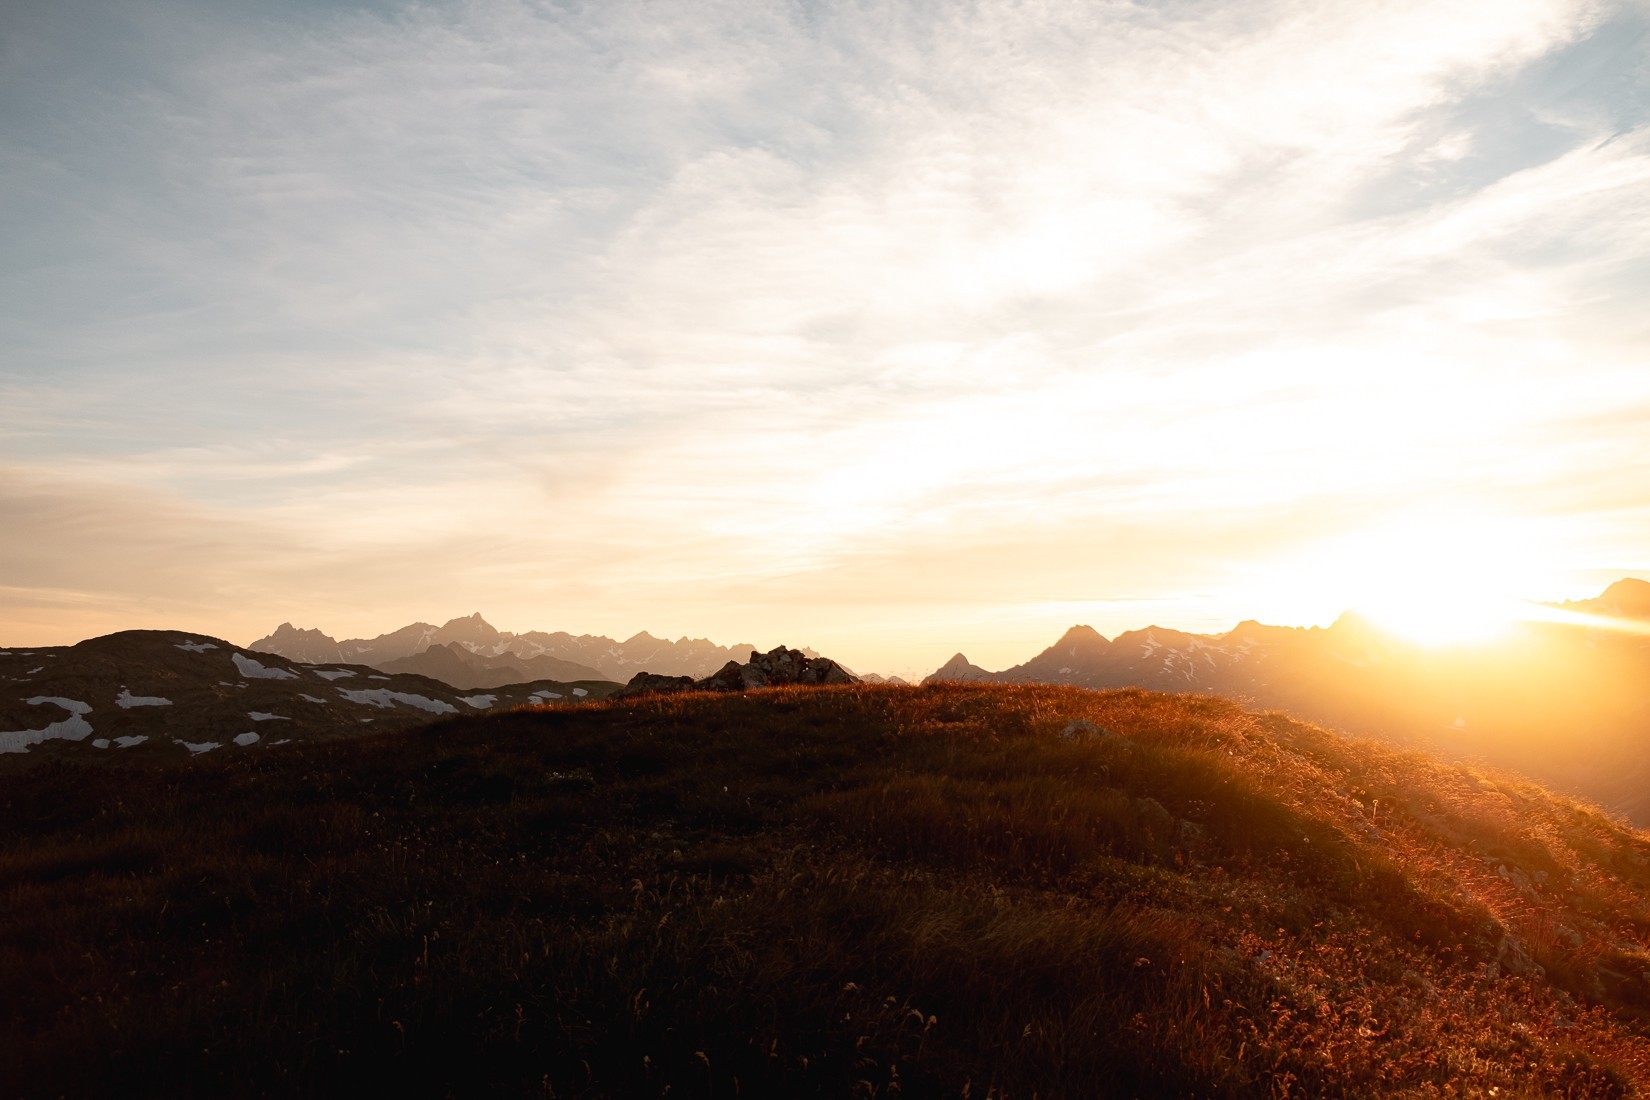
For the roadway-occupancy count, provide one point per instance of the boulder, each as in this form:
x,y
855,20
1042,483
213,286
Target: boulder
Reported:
x,y
648,682
1155,817
730,677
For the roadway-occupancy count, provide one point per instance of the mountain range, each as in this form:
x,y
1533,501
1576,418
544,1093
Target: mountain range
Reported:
x,y
1566,704
483,656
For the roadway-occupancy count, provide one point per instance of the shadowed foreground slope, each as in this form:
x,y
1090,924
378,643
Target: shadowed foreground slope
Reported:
x,y
953,890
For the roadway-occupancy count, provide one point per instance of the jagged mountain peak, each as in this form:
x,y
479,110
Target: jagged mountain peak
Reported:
x,y
958,668
301,631
1080,634
299,644
472,621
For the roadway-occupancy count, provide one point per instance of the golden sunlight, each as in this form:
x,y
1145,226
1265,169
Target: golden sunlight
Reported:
x,y
1611,623
1441,614
1435,581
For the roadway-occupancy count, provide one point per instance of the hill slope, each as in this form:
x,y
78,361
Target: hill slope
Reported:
x,y
159,694
955,890
1567,703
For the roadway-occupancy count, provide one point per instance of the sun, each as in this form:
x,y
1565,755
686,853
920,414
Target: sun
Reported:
x,y
1441,615
1435,581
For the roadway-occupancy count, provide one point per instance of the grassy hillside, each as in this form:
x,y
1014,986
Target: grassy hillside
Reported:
x,y
822,892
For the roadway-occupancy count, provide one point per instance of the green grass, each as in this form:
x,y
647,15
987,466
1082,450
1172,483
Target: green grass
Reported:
x,y
821,892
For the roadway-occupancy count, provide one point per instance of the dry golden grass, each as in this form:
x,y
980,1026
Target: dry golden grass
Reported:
x,y
823,892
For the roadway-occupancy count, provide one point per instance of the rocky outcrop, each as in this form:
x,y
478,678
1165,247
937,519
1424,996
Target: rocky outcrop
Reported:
x,y
777,668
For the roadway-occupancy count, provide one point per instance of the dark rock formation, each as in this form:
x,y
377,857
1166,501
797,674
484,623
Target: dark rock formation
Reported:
x,y
777,668
645,682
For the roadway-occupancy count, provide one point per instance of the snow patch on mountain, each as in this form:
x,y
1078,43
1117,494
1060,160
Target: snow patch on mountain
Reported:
x,y
126,700
73,728
257,670
385,699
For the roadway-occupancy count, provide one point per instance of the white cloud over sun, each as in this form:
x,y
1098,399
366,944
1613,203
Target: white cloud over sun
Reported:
x,y
886,328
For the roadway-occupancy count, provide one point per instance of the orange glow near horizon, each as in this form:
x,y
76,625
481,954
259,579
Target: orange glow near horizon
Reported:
x,y
1541,613
1434,580
1439,618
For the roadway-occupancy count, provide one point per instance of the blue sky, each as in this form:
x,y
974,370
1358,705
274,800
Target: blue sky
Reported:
x,y
886,328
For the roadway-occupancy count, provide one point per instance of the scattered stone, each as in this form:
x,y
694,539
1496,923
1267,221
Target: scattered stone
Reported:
x,y
1080,730
1158,819
1515,875
1511,958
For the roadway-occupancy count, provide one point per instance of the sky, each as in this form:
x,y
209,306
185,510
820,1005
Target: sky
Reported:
x,y
891,328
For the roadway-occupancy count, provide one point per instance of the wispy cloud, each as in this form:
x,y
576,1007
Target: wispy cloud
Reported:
x,y
724,317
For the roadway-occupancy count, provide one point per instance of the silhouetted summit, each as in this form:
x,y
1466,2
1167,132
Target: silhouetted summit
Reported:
x,y
1629,597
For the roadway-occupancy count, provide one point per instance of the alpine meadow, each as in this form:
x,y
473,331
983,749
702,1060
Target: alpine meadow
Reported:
x,y
984,550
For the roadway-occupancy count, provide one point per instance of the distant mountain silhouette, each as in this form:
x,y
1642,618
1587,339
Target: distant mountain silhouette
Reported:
x,y
455,665
959,670
597,655
309,646
1567,705
1628,598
